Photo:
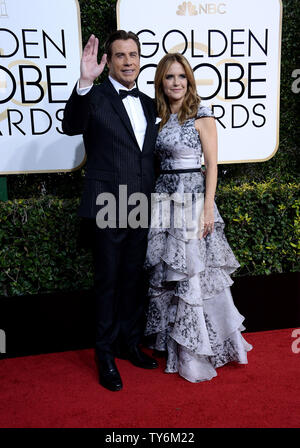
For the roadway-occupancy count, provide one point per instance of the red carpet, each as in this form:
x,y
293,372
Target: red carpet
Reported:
x,y
61,390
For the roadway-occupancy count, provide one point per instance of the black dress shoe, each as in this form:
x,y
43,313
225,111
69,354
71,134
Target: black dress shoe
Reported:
x,y
140,359
109,376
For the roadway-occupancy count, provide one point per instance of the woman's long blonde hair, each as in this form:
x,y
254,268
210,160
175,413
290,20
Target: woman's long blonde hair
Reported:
x,y
191,100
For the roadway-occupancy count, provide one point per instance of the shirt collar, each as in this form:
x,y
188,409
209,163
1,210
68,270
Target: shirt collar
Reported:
x,y
119,86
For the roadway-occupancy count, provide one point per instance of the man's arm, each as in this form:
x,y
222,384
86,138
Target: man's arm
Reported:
x,y
77,110
76,113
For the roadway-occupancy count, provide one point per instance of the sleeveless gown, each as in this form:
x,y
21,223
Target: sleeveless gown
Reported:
x,y
191,314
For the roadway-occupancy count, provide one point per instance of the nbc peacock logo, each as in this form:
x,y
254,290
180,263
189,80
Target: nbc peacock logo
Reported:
x,y
187,7
3,9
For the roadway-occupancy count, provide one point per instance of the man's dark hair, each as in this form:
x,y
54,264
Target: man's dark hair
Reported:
x,y
120,35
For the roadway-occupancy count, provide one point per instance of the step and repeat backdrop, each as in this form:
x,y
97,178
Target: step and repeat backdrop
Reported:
x,y
232,46
40,51
234,50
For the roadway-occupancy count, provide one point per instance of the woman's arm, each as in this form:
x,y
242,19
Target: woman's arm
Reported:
x,y
207,130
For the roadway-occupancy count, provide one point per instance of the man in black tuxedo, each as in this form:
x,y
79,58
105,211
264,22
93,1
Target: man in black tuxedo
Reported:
x,y
118,126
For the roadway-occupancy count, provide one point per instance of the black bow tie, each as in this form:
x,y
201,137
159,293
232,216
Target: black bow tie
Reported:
x,y
133,92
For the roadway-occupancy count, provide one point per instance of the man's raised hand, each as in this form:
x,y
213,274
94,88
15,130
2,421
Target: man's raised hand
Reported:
x,y
89,67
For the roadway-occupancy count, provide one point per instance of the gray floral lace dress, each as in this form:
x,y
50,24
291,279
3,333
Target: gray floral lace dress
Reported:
x,y
191,313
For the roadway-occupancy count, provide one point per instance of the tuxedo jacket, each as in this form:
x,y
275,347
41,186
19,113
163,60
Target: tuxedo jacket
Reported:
x,y
113,155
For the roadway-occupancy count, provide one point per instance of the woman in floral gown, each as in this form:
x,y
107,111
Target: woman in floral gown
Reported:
x,y
191,313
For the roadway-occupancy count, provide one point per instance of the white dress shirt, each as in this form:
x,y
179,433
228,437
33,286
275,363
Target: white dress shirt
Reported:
x,y
133,108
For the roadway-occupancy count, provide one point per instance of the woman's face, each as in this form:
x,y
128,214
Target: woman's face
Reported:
x,y
175,83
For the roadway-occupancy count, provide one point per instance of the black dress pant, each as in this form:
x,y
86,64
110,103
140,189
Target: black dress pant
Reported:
x,y
118,256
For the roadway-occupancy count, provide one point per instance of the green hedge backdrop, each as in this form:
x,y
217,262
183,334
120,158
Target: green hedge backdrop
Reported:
x,y
258,201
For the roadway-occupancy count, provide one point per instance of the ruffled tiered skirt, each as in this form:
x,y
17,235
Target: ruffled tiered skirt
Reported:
x,y
191,312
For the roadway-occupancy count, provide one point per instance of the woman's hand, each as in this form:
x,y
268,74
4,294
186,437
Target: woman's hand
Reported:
x,y
89,67
208,225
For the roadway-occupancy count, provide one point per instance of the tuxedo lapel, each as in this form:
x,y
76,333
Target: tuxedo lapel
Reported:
x,y
119,108
148,118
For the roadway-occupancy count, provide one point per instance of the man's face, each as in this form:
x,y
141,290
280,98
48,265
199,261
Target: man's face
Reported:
x,y
124,65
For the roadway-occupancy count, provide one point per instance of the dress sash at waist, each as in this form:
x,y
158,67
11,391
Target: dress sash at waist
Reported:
x,y
188,170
